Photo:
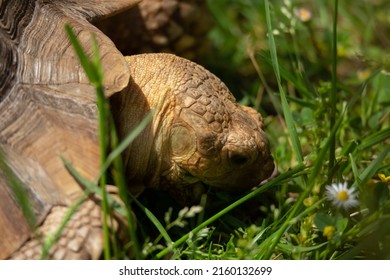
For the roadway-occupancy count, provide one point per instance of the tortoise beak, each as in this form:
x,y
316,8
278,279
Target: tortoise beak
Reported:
x,y
243,180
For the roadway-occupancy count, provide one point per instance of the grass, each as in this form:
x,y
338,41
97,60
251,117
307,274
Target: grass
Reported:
x,y
327,118
326,125
318,114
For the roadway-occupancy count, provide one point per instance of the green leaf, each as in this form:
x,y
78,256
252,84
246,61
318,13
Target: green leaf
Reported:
x,y
322,220
341,223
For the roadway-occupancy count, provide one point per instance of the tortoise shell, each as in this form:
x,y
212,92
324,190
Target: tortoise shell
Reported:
x,y
47,107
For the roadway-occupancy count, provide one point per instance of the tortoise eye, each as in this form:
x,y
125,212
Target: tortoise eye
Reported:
x,y
238,160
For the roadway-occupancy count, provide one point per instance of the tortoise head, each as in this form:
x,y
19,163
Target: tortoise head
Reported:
x,y
214,140
199,134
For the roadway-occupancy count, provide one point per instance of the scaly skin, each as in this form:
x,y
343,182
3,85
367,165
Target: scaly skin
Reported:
x,y
82,238
199,134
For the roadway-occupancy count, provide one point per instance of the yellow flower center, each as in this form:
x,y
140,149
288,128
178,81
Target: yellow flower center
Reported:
x,y
384,178
329,232
304,14
343,195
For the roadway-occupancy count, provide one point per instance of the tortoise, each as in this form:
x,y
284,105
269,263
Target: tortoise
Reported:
x,y
177,26
199,135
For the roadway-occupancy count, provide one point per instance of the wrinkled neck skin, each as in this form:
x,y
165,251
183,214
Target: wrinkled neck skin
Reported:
x,y
144,94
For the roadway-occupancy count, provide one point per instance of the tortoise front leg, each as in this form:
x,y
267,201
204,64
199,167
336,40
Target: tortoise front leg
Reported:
x,y
82,237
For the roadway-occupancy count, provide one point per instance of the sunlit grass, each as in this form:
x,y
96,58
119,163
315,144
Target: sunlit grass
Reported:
x,y
323,122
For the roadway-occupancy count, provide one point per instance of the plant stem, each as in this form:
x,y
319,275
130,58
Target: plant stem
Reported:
x,y
120,181
332,145
101,104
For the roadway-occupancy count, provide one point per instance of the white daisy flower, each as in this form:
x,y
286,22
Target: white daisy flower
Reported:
x,y
303,14
342,196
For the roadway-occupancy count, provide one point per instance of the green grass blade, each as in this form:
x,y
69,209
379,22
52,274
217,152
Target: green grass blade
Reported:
x,y
118,172
333,100
285,74
287,175
375,138
302,102
290,249
125,143
93,69
372,168
92,188
131,136
296,145
354,168
19,191
96,62
122,210
52,239
92,72
155,222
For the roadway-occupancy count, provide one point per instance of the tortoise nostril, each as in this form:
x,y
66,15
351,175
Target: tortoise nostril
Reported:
x,y
238,159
